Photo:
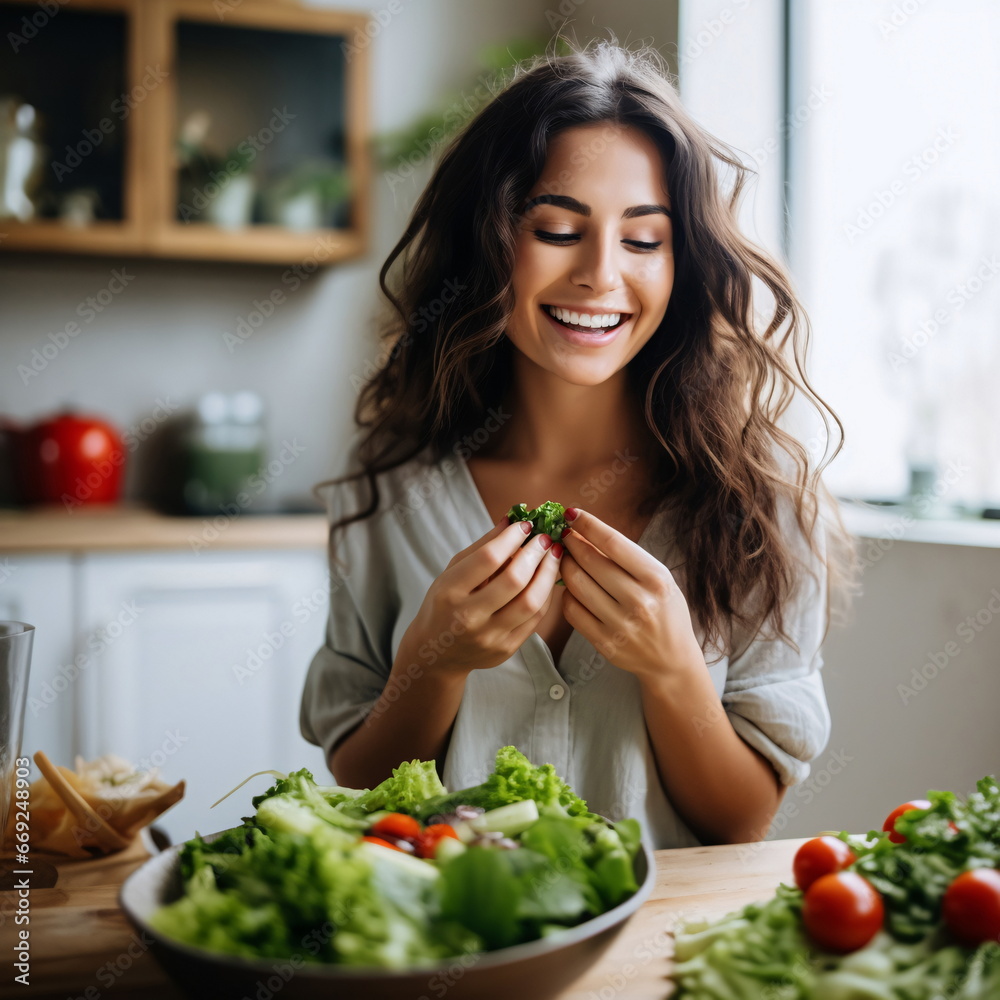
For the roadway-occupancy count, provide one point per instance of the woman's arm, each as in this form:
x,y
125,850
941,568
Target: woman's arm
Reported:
x,y
411,719
724,790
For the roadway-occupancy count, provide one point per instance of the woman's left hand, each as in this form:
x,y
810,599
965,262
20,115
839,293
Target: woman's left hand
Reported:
x,y
625,602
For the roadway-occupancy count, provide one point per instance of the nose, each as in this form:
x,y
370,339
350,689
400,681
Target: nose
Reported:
x,y
597,266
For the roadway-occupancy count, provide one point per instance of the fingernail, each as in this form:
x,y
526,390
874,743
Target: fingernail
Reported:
x,y
557,550
525,527
545,541
565,532
572,513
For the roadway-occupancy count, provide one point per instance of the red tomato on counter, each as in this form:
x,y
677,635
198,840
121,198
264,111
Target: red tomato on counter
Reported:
x,y
820,856
842,912
971,906
890,820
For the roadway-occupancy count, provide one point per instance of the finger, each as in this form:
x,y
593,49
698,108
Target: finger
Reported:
x,y
586,624
480,542
593,564
591,594
513,580
487,558
629,555
531,604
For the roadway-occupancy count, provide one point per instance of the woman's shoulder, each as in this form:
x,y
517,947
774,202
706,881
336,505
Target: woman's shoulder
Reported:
x,y
351,490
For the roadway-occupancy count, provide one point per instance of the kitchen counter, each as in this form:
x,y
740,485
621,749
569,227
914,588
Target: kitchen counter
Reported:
x,y
117,528
83,946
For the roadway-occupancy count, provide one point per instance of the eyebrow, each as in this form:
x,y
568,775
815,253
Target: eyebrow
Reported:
x,y
564,201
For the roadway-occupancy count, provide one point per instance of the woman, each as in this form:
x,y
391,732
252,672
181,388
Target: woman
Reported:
x,y
574,322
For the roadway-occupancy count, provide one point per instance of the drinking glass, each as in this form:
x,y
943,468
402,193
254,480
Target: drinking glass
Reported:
x,y
15,662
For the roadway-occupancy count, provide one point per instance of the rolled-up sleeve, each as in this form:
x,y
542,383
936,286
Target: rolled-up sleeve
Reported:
x,y
345,677
349,671
773,695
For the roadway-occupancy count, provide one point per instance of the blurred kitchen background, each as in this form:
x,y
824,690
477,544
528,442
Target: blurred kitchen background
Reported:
x,y
195,200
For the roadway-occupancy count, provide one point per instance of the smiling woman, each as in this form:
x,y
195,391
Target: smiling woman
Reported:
x,y
574,270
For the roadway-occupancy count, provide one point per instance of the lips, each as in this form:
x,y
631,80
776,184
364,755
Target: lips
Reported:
x,y
585,336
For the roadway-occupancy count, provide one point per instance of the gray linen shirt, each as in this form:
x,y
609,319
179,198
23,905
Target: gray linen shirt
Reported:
x,y
582,714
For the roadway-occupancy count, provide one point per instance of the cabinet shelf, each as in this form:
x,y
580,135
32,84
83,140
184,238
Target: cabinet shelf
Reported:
x,y
229,67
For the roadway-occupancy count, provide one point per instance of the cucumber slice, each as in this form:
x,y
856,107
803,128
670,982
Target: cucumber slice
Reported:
x,y
509,820
464,831
404,862
372,818
448,848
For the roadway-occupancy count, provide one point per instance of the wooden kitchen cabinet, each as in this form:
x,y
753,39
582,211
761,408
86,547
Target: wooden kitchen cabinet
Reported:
x,y
284,86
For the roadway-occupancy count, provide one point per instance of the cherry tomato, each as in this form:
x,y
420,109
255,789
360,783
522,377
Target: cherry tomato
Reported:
x,y
842,912
971,906
397,825
428,840
820,856
890,820
383,843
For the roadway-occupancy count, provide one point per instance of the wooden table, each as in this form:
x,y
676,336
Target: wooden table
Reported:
x,y
83,948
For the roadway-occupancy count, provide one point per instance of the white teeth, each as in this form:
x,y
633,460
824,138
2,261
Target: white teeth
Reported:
x,y
599,321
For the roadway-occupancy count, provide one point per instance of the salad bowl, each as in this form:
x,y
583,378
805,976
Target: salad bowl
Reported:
x,y
529,971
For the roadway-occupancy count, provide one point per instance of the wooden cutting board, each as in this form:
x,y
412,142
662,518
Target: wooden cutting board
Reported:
x,y
83,947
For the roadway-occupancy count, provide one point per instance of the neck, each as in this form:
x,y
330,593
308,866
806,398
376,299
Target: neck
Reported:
x,y
570,430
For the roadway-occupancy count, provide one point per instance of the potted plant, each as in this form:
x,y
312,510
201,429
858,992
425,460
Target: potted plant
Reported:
x,y
306,197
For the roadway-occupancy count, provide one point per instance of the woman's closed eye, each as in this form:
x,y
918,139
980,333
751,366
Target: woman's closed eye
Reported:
x,y
566,238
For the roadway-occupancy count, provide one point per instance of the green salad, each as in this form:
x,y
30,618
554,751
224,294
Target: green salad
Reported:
x,y
404,874
910,912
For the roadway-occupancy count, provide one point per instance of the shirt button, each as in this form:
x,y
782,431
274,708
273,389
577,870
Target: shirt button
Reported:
x,y
556,691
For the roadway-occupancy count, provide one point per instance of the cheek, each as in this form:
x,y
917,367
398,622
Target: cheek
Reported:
x,y
537,266
653,280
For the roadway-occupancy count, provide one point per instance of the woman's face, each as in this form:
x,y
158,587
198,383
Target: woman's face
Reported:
x,y
598,245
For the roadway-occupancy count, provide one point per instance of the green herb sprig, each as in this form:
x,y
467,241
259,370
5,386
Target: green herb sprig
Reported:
x,y
548,518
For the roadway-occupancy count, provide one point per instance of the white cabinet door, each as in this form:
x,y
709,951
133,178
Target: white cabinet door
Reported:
x,y
38,589
200,669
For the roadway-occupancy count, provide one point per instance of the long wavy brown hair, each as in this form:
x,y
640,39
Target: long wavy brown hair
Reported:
x,y
715,377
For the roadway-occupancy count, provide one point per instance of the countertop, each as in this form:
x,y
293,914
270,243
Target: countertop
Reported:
x,y
81,940
119,527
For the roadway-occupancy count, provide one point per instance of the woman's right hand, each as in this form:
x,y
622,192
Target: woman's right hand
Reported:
x,y
487,601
